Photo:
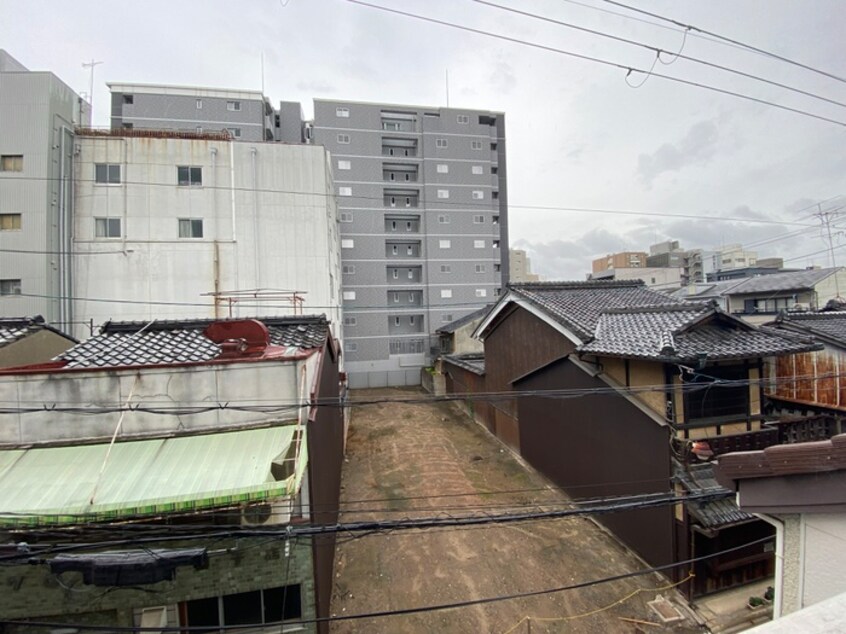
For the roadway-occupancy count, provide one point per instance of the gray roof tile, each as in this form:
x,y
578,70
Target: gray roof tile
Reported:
x,y
699,478
776,282
13,329
826,325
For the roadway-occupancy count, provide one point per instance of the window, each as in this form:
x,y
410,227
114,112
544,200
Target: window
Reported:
x,y
11,163
408,225
10,222
494,169
199,129
445,244
478,194
443,219
395,274
411,298
477,169
411,274
351,346
480,219
446,318
497,292
345,191
349,321
411,319
233,106
495,244
347,243
129,99
128,126
394,249
475,145
344,139
349,295
349,269
189,176
478,244
480,268
440,143
344,165
10,287
495,195
446,268
396,321
106,173
724,401
481,292
446,293
346,216
463,118
493,147
235,132
443,168
199,104
190,227
497,267
107,228
344,113
495,220
396,297
409,250
443,193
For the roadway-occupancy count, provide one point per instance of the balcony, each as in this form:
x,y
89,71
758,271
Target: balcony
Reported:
x,y
402,224
403,275
399,173
399,250
404,299
407,346
400,148
405,324
402,198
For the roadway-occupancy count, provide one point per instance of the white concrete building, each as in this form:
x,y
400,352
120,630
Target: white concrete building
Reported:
x,y
162,222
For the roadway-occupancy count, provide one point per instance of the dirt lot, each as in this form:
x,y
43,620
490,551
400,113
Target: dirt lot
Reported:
x,y
407,460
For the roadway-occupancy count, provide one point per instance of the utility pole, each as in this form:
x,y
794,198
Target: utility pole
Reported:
x,y
90,65
826,218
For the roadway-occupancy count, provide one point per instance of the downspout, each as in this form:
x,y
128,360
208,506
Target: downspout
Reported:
x,y
232,209
254,155
776,523
216,244
65,202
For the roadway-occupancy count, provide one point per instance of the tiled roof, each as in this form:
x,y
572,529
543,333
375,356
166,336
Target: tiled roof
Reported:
x,y
699,478
685,332
578,305
782,282
16,328
475,363
827,325
778,460
462,321
181,341
702,291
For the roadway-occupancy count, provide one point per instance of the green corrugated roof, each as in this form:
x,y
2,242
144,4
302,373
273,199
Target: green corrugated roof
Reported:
x,y
144,477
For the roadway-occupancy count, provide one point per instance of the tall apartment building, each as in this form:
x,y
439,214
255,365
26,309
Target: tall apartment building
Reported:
x,y
520,267
164,222
38,113
622,260
424,233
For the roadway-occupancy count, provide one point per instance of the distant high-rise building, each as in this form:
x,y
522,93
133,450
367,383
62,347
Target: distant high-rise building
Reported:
x,y
622,260
520,267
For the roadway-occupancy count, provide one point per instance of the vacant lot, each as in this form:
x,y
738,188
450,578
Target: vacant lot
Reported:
x,y
407,460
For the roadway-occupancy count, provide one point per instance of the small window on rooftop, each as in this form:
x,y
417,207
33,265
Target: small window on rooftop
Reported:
x,y
129,99
233,106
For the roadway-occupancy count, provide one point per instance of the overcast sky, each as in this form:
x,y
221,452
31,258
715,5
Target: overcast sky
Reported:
x,y
577,135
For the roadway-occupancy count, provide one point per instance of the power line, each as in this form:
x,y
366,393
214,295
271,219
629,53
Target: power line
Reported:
x,y
658,51
755,49
630,69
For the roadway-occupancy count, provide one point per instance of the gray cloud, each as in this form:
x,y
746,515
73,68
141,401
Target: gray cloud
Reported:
x,y
696,148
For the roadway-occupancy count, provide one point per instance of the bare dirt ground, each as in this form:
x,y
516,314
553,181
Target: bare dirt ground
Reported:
x,y
413,460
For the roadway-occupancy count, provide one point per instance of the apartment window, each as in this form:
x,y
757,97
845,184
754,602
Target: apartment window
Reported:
x,y
443,193
493,147
446,268
394,249
129,99
446,318
128,126
349,321
11,163
443,219
411,274
107,173
463,118
351,346
495,220
10,287
475,145
445,244
233,106
446,293
107,227
408,225
345,191
411,319
478,194
409,250
395,274
497,267
347,243
443,168
187,176
411,298
480,219
235,132
190,227
497,292
396,297
495,195
346,216
344,139
396,321
494,169
199,129
344,165
478,244
199,104
481,292
477,169
495,244
480,268
343,113
349,269
349,295
440,143
10,222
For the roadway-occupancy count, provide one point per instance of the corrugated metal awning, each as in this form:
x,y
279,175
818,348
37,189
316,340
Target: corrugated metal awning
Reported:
x,y
145,477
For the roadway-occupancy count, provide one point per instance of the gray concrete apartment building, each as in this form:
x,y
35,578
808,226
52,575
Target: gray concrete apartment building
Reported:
x,y
423,204
38,113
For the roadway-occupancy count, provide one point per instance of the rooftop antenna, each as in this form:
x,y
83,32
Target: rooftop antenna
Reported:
x,y
90,65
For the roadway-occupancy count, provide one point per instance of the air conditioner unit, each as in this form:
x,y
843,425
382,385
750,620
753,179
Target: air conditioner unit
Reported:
x,y
267,513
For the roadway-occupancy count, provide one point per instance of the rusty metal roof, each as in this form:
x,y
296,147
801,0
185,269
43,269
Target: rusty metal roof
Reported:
x,y
144,133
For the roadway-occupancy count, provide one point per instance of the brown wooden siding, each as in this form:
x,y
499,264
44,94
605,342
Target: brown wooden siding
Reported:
x,y
600,445
461,381
519,344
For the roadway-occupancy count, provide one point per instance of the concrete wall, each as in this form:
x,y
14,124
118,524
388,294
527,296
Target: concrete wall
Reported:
x,y
38,347
269,222
824,558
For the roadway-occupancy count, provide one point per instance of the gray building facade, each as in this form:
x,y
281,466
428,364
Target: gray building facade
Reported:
x,y
38,113
422,198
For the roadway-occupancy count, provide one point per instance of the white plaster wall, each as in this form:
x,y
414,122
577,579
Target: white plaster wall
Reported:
x,y
824,557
